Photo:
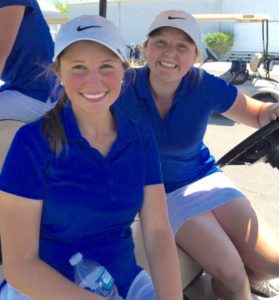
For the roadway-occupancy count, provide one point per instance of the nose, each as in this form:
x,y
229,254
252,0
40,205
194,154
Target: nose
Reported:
x,y
170,49
94,78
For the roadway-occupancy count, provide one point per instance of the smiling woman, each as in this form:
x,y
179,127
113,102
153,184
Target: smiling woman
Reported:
x,y
208,214
91,84
79,192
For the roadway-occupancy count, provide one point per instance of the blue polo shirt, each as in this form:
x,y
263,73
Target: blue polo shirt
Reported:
x,y
32,51
89,201
184,156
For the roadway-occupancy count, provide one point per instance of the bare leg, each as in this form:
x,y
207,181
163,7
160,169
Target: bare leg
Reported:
x,y
255,242
206,242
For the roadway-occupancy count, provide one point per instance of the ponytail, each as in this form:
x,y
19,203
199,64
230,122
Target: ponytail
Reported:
x,y
53,128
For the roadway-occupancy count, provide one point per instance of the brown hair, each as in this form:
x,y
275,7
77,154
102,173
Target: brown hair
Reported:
x,y
53,128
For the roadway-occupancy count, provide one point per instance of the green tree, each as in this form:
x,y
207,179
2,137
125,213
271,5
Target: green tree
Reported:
x,y
62,6
219,42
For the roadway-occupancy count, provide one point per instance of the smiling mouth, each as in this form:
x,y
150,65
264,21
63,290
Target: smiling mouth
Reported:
x,y
168,65
94,97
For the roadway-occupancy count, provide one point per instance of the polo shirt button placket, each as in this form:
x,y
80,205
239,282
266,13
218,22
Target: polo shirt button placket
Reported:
x,y
109,182
110,185
112,196
164,132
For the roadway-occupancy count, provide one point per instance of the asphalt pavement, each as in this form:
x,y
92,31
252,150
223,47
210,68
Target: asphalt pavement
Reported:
x,y
259,182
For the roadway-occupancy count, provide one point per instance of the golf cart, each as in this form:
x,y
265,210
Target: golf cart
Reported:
x,y
253,79
189,269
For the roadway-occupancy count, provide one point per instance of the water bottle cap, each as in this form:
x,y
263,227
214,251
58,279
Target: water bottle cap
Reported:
x,y
75,259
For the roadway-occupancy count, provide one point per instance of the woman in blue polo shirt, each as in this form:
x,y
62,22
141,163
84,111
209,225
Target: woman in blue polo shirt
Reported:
x,y
74,180
208,214
26,47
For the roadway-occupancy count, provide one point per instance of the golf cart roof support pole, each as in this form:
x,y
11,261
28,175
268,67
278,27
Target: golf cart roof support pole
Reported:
x,y
103,8
267,43
265,40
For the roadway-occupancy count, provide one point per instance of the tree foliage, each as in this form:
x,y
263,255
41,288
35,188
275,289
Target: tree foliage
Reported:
x,y
61,6
219,42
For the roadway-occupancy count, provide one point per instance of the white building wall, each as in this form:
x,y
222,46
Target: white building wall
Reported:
x,y
133,17
270,7
248,36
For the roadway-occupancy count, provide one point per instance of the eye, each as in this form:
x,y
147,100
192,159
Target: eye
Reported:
x,y
182,46
106,66
79,67
160,43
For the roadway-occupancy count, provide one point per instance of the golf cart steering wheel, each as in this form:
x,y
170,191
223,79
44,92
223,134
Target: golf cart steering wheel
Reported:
x,y
263,145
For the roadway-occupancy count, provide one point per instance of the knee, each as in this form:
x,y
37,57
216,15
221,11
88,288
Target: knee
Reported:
x,y
233,276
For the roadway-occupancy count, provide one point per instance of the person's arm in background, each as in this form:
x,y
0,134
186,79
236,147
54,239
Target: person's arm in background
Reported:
x,y
159,244
252,112
10,20
20,220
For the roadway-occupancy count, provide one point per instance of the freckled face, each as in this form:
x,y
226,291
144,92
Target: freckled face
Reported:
x,y
91,75
170,54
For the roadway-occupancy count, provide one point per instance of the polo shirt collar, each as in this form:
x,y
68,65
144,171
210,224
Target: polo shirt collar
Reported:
x,y
142,84
143,88
125,129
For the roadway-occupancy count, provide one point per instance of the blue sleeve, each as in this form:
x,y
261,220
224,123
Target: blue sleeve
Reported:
x,y
27,3
24,169
222,94
153,166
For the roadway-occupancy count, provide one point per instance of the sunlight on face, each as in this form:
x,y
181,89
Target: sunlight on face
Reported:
x,y
92,76
170,53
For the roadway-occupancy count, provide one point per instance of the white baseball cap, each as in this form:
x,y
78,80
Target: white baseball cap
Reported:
x,y
178,19
90,28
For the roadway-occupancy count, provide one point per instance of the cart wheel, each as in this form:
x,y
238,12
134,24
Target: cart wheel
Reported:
x,y
263,145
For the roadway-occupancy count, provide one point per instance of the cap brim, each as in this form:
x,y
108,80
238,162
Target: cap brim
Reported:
x,y
122,58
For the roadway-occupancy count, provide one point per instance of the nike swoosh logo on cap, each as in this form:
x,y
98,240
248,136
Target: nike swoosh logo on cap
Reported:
x,y
86,27
174,18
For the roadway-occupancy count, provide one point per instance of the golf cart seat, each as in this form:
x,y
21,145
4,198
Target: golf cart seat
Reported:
x,y
8,129
255,62
189,269
237,74
210,55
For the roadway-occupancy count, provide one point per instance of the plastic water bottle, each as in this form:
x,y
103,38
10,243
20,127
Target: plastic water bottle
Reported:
x,y
92,276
